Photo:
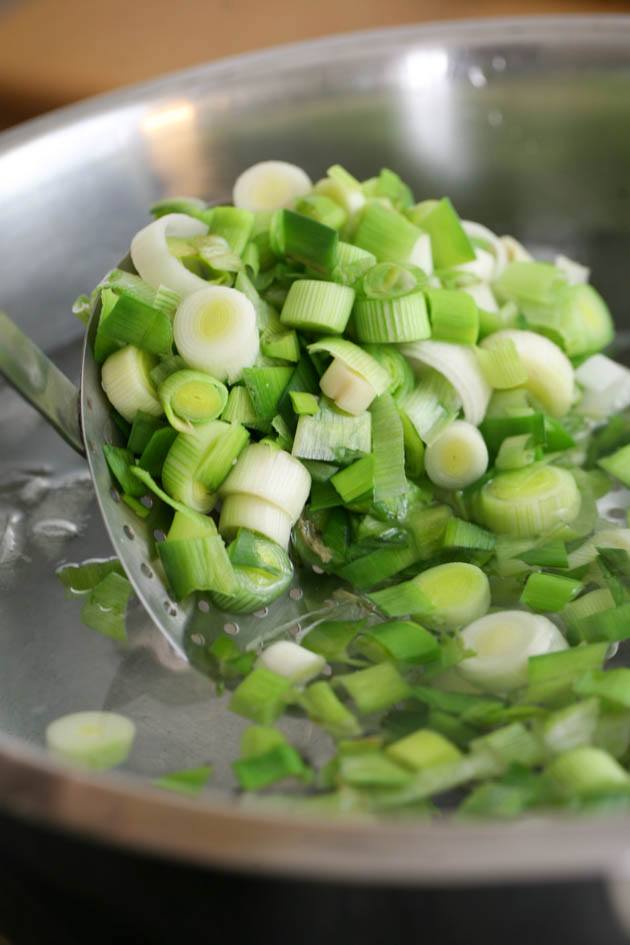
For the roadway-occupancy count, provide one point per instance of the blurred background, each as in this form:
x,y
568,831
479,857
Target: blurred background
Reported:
x,y
53,52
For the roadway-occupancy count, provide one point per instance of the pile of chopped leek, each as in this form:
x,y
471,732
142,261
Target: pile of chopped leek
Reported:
x,y
335,377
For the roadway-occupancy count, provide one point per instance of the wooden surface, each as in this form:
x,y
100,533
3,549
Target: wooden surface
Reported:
x,y
56,51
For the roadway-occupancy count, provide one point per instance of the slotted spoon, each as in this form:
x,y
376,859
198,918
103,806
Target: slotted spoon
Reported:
x,y
82,417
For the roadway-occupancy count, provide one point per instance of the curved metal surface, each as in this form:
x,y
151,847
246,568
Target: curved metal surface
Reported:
x,y
526,124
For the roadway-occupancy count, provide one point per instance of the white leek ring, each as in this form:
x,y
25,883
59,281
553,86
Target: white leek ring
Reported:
x,y
503,643
154,261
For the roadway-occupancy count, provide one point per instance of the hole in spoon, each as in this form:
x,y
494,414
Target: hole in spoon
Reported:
x,y
203,606
129,532
231,628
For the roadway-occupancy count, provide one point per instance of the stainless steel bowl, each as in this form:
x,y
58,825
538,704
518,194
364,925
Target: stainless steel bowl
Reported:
x,y
526,124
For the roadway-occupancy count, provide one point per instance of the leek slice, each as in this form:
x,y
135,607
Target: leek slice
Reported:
x,y
332,436
270,185
256,515
98,740
215,331
263,572
457,594
529,502
605,387
457,457
192,397
198,461
318,306
460,367
272,475
126,380
292,661
549,372
503,643
356,359
154,261
392,320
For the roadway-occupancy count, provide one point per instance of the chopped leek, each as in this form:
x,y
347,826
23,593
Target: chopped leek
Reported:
x,y
126,380
98,740
270,185
457,457
190,397
529,502
318,306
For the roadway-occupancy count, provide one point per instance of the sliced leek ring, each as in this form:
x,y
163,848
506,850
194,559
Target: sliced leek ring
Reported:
x,y
126,380
550,373
529,502
257,515
153,259
215,331
273,475
270,185
503,643
458,593
460,366
457,457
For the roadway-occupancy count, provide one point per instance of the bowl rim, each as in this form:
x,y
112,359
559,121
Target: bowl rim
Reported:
x,y
120,811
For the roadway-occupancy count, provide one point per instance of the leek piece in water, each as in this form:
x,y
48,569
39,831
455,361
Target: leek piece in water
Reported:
x,y
466,535
318,306
454,316
549,593
502,643
331,639
530,502
402,641
332,436
427,526
106,605
191,397
551,676
289,659
611,685
259,771
390,481
126,380
266,386
270,185
190,781
355,480
456,458
388,235
392,320
553,554
304,240
262,696
457,593
571,726
323,707
585,771
449,242
414,448
375,689
423,749
611,624
98,740
371,769
79,578
377,566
